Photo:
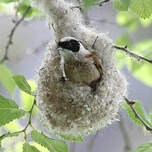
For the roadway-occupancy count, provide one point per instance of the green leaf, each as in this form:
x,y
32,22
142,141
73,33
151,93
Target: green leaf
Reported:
x,y
26,2
146,22
27,100
9,111
8,1
22,9
41,148
6,78
4,8
147,147
29,148
89,3
142,72
0,145
33,12
19,146
145,49
70,138
143,8
49,143
122,58
13,126
123,40
121,5
22,83
128,20
9,150
8,135
150,115
140,111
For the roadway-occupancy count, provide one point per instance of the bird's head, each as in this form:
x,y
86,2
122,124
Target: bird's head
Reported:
x,y
69,46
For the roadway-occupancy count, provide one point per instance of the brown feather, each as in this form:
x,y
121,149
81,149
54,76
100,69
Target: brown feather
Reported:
x,y
94,84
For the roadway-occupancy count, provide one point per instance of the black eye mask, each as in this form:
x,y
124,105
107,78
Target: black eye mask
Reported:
x,y
72,45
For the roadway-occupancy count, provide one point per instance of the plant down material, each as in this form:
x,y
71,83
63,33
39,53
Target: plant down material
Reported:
x,y
69,108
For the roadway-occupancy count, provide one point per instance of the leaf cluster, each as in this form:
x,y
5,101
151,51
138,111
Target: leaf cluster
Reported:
x,y
20,6
141,8
10,111
141,71
146,122
138,107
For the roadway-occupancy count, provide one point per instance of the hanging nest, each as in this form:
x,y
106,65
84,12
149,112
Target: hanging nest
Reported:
x,y
69,108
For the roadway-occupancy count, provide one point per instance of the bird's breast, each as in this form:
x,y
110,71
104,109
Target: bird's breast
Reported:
x,y
81,72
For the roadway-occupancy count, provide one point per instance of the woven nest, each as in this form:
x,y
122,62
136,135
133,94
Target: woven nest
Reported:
x,y
69,108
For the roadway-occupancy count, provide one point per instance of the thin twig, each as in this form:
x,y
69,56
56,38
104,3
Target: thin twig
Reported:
x,y
130,103
94,41
10,42
104,21
100,3
132,54
8,134
124,132
30,117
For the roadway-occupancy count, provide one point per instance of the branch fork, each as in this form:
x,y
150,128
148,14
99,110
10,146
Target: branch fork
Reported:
x,y
132,54
131,103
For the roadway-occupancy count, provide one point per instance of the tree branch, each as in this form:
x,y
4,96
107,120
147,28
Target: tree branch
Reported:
x,y
10,42
104,21
132,54
100,3
131,103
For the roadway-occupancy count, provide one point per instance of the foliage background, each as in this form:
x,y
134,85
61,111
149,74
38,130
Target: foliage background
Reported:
x,y
27,52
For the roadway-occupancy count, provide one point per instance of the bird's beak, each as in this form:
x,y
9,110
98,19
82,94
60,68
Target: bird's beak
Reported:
x,y
59,49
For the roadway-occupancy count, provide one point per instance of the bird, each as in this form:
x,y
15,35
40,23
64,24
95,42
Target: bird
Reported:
x,y
78,64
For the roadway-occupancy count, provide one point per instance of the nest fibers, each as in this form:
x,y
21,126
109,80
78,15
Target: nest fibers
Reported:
x,y
70,108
